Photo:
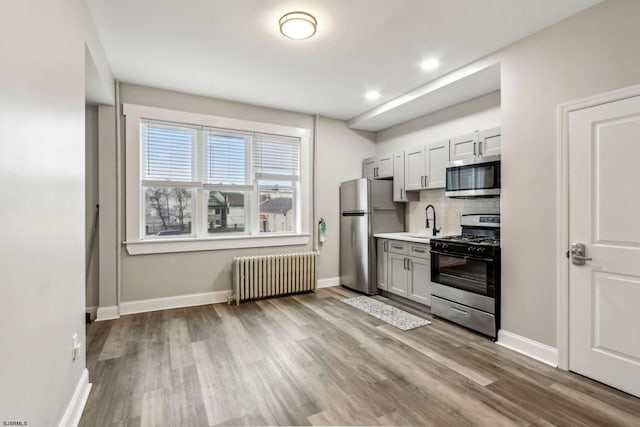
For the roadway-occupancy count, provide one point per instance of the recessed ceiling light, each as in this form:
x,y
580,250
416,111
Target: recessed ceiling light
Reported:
x,y
298,25
372,95
430,64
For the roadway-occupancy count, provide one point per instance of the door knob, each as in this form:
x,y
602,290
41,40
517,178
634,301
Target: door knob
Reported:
x,y
578,252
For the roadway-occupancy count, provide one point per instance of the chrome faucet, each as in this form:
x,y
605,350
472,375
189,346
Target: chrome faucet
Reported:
x,y
426,214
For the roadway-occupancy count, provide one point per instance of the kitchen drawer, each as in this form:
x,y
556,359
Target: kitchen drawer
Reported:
x,y
418,250
463,315
398,247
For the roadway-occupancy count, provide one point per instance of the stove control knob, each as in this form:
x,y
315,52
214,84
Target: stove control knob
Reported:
x,y
444,246
470,249
480,250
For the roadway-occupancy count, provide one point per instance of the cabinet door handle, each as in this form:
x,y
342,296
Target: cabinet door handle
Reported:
x,y
480,148
396,247
408,264
474,149
421,251
426,180
384,245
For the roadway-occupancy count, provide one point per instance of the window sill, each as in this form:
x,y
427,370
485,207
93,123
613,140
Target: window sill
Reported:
x,y
163,246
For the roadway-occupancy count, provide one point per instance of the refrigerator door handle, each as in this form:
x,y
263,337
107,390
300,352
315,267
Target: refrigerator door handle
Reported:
x,y
356,213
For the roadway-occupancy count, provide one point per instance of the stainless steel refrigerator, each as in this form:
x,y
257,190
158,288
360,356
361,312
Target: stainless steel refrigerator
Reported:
x,y
366,208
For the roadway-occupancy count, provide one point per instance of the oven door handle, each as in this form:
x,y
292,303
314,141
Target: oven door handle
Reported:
x,y
475,258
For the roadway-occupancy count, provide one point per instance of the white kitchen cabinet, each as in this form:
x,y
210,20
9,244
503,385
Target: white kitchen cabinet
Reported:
x,y
397,265
385,166
414,166
383,255
369,166
419,275
399,191
408,270
437,160
425,166
476,145
464,147
379,167
489,142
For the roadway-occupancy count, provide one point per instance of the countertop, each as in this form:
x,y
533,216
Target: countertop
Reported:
x,y
407,237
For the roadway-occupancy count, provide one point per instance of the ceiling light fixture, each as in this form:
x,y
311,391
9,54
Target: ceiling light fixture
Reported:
x,y
430,64
372,95
298,25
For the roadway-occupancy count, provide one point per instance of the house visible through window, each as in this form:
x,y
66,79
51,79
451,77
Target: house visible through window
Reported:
x,y
200,181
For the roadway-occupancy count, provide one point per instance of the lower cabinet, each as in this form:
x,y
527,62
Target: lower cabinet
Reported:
x,y
419,280
408,269
397,278
383,255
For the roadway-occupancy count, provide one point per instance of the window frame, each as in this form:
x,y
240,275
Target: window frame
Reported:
x,y
134,218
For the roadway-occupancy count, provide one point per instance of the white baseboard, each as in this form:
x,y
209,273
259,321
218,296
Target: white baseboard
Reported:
x,y
167,303
328,282
71,417
528,347
107,313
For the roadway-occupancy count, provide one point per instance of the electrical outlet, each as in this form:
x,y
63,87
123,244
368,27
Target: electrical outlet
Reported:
x,y
75,346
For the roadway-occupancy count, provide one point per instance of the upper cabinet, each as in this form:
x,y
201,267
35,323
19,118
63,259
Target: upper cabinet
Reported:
x,y
425,166
476,145
379,167
399,189
489,142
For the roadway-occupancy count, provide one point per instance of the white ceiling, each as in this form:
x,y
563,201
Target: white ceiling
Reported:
x,y
232,49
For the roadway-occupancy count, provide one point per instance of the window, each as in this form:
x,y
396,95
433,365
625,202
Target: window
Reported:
x,y
200,180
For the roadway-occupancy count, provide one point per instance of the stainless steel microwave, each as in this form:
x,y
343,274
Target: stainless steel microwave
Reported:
x,y
479,177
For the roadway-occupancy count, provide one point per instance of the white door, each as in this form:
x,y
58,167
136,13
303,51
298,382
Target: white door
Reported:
x,y
604,206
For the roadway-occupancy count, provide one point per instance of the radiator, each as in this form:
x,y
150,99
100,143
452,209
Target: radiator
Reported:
x,y
265,276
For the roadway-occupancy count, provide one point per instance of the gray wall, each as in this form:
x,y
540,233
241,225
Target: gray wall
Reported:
x,y
42,254
340,152
91,200
593,52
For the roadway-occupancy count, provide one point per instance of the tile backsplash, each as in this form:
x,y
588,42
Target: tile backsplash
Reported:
x,y
448,211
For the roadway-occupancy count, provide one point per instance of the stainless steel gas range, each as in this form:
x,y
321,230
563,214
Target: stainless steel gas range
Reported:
x,y
465,274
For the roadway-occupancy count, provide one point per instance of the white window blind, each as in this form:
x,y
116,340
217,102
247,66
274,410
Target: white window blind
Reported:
x,y
228,162
168,151
276,157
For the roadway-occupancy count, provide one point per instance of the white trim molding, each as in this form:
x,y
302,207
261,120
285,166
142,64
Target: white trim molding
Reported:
x,y
191,245
178,301
71,416
107,313
562,212
538,351
328,282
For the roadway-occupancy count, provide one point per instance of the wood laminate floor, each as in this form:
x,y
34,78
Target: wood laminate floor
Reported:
x,y
313,360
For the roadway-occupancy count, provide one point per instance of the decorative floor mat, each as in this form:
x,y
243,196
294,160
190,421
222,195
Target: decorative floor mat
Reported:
x,y
387,313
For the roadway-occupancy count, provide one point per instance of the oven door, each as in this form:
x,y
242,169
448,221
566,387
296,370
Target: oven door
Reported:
x,y
467,273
